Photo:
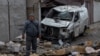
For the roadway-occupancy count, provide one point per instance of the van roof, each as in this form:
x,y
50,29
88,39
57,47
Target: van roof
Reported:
x,y
69,8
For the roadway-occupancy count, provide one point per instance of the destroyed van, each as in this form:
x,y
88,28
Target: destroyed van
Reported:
x,y
65,22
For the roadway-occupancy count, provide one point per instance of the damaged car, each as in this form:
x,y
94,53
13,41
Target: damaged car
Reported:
x,y
65,22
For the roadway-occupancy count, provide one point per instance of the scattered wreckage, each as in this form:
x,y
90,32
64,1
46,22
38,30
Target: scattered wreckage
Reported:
x,y
65,22
13,47
48,49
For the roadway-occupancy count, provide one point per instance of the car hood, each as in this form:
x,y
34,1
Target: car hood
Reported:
x,y
51,22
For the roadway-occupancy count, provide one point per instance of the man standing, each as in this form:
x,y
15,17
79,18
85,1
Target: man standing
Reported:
x,y
32,31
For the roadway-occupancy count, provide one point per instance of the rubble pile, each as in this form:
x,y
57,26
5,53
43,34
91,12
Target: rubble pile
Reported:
x,y
87,48
46,48
12,48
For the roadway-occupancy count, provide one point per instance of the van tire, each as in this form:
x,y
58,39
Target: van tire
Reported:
x,y
71,37
85,28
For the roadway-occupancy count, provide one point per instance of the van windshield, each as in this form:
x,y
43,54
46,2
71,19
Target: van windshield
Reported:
x,y
60,15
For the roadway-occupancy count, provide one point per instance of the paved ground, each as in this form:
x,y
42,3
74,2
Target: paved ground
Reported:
x,y
92,34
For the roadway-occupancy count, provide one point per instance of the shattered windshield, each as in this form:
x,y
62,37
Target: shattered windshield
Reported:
x,y
60,15
66,16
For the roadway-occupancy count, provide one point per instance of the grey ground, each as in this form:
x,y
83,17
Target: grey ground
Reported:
x,y
91,34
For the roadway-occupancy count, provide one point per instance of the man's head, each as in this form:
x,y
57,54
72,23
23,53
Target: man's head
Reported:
x,y
31,17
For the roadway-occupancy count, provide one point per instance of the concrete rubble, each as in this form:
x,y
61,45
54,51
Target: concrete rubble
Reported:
x,y
47,48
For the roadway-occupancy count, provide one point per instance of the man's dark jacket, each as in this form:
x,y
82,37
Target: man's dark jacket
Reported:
x,y
31,28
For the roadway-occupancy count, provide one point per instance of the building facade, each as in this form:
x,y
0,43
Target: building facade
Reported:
x,y
12,17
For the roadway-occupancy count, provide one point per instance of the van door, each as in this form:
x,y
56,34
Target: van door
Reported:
x,y
76,24
83,21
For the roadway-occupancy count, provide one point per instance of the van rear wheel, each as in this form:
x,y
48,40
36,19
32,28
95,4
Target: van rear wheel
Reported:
x,y
85,28
71,37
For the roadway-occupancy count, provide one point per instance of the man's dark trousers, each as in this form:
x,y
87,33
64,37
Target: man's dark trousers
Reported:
x,y
31,42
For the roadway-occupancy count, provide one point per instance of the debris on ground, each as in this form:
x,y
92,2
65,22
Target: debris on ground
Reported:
x,y
49,50
17,46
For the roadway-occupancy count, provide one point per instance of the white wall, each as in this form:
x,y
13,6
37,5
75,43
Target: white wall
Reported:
x,y
30,3
17,18
96,11
3,20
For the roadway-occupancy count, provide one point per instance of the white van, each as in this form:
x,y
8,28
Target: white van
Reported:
x,y
66,21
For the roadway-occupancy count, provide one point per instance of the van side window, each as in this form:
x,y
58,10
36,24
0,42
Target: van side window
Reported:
x,y
76,17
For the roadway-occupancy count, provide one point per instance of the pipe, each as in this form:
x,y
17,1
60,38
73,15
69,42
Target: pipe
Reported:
x,y
39,6
9,21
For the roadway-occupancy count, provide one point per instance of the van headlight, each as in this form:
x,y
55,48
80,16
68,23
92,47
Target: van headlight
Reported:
x,y
64,30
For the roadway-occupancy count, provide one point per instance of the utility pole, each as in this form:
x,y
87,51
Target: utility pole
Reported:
x,y
39,6
9,21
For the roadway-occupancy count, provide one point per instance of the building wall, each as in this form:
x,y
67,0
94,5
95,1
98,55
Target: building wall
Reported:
x,y
3,20
17,16
96,11
30,4
90,6
32,7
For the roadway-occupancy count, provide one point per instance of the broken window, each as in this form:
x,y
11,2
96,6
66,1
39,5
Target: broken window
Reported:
x,y
52,14
61,15
76,17
66,16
